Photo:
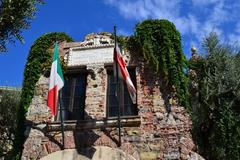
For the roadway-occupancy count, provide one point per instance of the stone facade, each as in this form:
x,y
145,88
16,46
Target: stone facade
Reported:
x,y
156,133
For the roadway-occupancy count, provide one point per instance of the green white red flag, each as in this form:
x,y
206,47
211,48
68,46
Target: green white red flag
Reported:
x,y
123,72
56,82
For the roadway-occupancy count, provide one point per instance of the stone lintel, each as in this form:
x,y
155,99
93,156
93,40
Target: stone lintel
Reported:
x,y
91,47
94,124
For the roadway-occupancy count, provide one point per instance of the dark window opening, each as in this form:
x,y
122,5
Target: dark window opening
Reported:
x,y
128,109
73,96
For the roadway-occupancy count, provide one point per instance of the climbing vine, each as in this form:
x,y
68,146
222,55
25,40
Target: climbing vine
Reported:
x,y
159,43
38,61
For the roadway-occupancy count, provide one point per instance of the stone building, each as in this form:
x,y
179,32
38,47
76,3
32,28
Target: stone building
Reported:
x,y
148,130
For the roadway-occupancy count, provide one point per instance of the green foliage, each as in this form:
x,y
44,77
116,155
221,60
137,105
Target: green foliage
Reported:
x,y
215,101
38,62
15,15
159,43
9,104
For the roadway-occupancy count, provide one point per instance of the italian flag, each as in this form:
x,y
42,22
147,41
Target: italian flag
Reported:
x,y
56,82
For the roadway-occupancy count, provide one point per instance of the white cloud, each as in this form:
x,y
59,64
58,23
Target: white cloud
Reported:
x,y
237,30
234,38
220,14
195,18
201,3
142,9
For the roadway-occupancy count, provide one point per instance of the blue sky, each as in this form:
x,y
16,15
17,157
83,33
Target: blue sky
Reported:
x,y
193,18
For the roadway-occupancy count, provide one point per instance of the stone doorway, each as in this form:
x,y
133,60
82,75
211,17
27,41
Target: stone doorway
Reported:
x,y
92,153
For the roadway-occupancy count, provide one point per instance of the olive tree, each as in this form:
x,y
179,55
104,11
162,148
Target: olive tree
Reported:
x,y
15,15
216,99
9,103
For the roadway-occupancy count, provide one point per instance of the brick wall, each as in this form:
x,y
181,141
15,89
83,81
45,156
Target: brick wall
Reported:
x,y
158,135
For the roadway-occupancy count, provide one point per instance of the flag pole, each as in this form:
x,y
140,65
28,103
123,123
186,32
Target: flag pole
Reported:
x,y
117,87
61,118
56,82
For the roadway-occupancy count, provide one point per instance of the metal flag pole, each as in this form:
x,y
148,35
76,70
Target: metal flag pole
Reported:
x,y
61,119
117,88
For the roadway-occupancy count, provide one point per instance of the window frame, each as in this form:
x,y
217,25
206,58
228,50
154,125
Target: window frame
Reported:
x,y
109,68
71,71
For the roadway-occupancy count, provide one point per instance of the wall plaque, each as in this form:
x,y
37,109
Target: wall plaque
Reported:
x,y
90,56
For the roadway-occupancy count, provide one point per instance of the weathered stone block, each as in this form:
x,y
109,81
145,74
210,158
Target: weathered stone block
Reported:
x,y
133,132
148,155
172,154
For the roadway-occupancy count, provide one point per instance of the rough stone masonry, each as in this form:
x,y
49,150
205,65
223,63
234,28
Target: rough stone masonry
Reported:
x,y
155,133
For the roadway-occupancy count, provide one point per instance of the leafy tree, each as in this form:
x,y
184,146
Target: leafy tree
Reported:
x,y
9,103
15,15
216,99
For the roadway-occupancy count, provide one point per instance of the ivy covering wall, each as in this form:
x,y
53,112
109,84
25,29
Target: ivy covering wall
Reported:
x,y
38,61
159,42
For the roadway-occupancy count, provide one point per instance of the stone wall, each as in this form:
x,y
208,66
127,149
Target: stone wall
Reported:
x,y
161,133
95,103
